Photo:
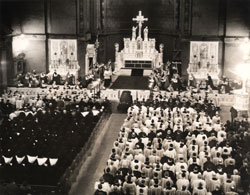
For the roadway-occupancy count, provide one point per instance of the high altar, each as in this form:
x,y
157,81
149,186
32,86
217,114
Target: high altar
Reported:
x,y
138,52
204,59
63,57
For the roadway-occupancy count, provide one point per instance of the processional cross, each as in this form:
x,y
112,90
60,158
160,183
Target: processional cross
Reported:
x,y
140,19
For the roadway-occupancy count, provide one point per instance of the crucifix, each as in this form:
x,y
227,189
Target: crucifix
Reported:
x,y
140,19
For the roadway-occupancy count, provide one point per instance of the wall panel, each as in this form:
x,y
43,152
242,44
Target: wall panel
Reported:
x,y
63,16
205,16
238,18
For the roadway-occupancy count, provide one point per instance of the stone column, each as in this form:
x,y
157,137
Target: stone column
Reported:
x,y
86,64
161,54
3,68
116,56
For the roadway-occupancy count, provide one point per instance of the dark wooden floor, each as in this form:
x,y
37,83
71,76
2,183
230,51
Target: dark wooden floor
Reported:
x,y
94,165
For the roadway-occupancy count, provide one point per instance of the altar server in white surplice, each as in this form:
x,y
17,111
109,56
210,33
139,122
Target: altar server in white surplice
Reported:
x,y
182,182
213,182
107,77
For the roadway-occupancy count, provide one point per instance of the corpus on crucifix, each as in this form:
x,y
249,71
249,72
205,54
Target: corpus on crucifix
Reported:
x,y
140,20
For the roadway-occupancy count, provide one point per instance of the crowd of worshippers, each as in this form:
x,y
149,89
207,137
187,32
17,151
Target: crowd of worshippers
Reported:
x,y
172,146
168,78
12,100
40,135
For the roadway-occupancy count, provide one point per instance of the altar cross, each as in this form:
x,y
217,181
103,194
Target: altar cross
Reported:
x,y
140,19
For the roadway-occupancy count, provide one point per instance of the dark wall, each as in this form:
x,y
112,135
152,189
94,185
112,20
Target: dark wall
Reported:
x,y
205,17
28,16
25,16
238,18
119,14
35,53
62,16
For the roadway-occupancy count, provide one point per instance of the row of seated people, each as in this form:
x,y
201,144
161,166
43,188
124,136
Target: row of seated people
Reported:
x,y
168,78
202,103
11,101
223,85
171,150
32,79
39,141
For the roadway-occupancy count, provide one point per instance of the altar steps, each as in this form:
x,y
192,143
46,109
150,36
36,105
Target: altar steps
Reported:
x,y
131,72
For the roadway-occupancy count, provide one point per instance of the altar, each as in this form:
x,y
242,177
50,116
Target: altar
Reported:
x,y
63,57
138,52
203,60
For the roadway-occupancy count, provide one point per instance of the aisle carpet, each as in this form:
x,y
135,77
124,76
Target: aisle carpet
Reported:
x,y
93,167
130,82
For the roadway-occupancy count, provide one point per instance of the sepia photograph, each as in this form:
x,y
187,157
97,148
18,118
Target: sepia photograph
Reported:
x,y
124,97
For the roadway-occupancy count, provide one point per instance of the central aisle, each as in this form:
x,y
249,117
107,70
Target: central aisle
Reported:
x,y
93,168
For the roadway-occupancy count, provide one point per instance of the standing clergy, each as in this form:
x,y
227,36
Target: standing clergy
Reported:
x,y
107,77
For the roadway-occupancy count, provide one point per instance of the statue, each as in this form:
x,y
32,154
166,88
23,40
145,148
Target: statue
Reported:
x,y
161,48
64,51
203,55
117,57
116,47
134,33
146,33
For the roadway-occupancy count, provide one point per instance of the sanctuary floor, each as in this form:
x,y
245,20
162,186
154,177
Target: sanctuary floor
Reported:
x,y
93,168
130,82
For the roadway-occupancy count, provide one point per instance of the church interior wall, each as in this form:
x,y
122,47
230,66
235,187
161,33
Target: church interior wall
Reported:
x,y
66,18
34,51
3,70
220,58
237,27
81,51
238,18
117,13
6,61
233,56
205,15
109,48
32,16
62,17
185,47
26,16
169,45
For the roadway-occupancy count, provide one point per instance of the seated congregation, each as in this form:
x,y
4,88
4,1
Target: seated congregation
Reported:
x,y
37,130
32,79
175,145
